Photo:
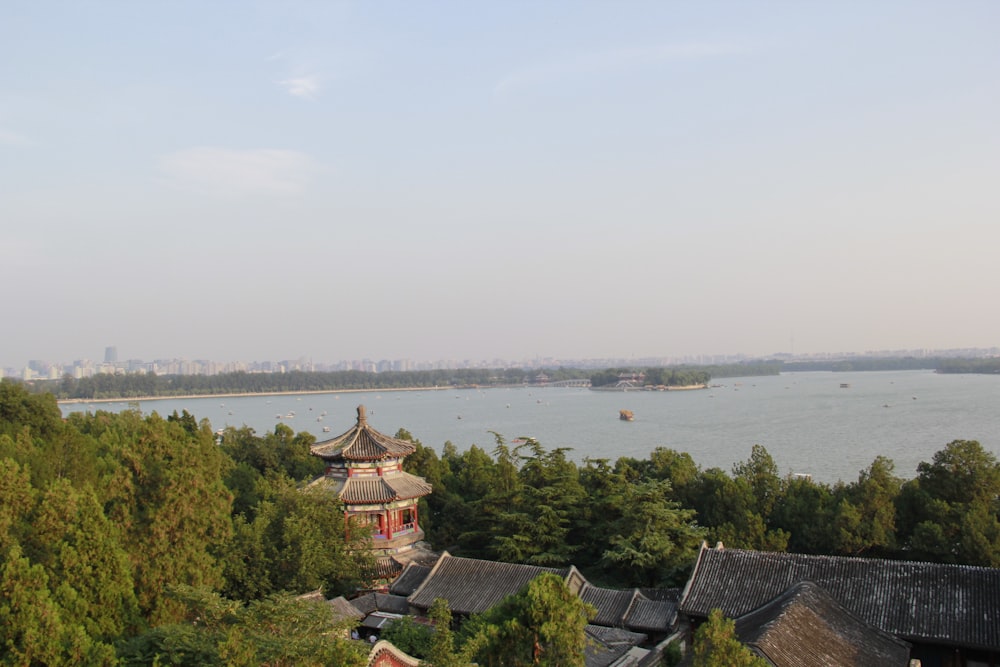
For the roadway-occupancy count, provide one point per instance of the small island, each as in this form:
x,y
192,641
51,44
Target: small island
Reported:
x,y
650,379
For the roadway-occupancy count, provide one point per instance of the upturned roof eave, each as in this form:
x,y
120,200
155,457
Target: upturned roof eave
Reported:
x,y
340,447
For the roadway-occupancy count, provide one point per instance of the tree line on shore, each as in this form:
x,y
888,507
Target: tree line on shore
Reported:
x,y
135,385
140,540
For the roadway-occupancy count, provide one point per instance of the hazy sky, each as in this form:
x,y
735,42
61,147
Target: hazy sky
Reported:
x,y
267,180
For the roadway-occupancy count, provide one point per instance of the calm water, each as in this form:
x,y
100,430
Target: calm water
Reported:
x,y
807,422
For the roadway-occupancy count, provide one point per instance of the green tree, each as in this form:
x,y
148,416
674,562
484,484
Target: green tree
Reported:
x,y
678,467
34,628
281,451
277,631
409,636
865,519
716,645
442,652
760,473
738,510
547,499
82,553
164,488
17,499
803,512
728,507
951,513
544,624
297,541
652,540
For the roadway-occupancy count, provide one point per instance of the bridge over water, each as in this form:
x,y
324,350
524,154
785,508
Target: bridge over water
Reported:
x,y
583,382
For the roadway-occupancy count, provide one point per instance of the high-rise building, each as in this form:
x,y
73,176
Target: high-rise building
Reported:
x,y
111,355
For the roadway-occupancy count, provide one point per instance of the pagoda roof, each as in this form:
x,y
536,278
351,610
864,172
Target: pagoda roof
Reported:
x,y
362,443
375,489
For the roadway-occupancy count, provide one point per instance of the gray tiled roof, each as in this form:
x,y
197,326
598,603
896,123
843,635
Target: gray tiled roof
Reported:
x,y
616,636
393,604
609,646
651,615
612,605
362,443
412,576
598,654
342,609
472,586
629,609
384,567
954,605
374,490
805,626
662,594
365,604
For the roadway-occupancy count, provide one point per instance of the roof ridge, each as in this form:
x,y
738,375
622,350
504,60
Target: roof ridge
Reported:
x,y
694,571
430,575
631,605
858,559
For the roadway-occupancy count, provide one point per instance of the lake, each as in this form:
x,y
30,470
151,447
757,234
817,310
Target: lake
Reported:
x,y
808,422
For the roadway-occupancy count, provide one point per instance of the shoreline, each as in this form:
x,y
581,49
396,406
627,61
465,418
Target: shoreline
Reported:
x,y
301,392
684,387
305,392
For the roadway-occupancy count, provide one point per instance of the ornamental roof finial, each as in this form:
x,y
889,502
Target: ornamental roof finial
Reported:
x,y
362,419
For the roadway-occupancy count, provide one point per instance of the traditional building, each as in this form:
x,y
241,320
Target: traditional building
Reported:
x,y
949,614
806,626
364,468
471,586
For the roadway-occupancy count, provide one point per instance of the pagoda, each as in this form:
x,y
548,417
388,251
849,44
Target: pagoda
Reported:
x,y
364,468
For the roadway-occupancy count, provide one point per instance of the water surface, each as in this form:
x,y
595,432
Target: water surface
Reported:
x,y
807,422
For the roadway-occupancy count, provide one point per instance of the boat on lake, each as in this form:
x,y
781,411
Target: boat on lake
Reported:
x,y
626,415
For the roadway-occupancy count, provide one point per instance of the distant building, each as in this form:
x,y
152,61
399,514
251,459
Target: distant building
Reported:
x,y
111,355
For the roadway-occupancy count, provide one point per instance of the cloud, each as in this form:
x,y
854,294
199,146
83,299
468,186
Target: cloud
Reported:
x,y
609,62
304,87
229,172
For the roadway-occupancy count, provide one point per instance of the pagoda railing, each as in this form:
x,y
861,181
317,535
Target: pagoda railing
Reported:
x,y
404,529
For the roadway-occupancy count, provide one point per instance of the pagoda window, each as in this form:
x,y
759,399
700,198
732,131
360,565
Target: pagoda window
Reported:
x,y
408,519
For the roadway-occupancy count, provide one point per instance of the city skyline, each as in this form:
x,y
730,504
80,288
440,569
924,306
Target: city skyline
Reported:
x,y
41,369
449,180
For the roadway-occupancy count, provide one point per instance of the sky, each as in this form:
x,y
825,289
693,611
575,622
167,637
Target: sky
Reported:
x,y
240,180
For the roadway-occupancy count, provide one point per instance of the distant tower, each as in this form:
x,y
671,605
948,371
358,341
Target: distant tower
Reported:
x,y
111,355
364,468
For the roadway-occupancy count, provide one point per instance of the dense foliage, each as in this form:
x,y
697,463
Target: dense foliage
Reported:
x,y
541,625
149,540
991,366
716,645
639,522
105,517
132,385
